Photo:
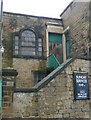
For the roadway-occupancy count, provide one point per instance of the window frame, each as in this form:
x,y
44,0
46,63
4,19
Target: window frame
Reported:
x,y
19,55
38,76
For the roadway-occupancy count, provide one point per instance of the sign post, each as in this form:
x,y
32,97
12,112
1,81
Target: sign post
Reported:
x,y
81,87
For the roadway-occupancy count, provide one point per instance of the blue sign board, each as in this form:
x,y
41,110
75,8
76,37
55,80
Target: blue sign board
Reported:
x,y
81,87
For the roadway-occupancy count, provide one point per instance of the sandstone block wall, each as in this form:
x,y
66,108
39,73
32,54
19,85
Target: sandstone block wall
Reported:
x,y
13,22
25,68
76,16
55,100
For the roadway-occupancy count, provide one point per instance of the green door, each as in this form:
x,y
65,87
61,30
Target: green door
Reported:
x,y
55,38
52,62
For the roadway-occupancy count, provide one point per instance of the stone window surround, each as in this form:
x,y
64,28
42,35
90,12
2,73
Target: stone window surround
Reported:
x,y
51,27
36,56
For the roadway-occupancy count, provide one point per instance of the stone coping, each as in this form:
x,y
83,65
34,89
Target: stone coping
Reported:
x,y
9,72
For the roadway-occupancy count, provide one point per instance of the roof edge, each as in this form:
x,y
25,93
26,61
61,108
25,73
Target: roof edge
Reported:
x,y
66,8
43,17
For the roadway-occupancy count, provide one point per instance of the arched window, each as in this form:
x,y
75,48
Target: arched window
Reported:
x,y
26,44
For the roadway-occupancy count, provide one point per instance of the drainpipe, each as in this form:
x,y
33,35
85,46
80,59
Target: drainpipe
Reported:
x,y
64,43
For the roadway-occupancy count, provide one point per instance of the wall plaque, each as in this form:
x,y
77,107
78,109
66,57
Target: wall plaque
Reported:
x,y
81,86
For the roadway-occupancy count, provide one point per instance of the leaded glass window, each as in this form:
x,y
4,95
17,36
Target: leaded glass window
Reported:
x,y
40,47
28,38
26,44
16,45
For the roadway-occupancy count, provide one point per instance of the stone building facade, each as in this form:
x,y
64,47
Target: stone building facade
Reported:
x,y
13,27
56,99
44,53
77,17
25,39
